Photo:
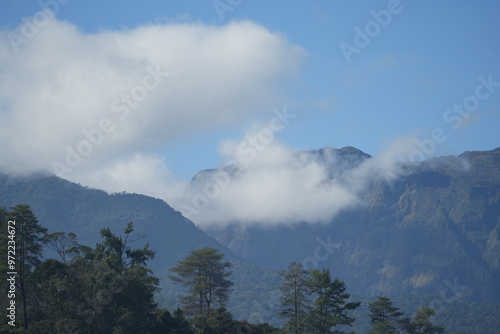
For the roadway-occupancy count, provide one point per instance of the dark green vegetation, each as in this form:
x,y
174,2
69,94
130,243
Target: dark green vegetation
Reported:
x,y
62,206
387,318
430,238
205,277
456,317
105,289
313,302
110,289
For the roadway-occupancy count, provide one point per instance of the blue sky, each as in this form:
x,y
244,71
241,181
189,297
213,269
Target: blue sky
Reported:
x,y
427,58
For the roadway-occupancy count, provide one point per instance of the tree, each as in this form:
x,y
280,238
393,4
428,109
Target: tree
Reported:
x,y
4,243
264,328
421,323
385,317
218,322
108,289
205,275
294,302
3,240
171,323
330,306
115,250
55,295
29,240
119,288
64,244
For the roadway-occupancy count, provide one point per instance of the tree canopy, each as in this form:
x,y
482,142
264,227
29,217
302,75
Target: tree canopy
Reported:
x,y
204,274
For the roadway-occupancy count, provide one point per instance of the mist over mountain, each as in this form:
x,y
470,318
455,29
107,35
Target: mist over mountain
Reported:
x,y
428,230
437,222
282,186
63,206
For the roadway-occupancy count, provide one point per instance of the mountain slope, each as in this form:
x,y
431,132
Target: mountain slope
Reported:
x,y
434,231
435,227
64,206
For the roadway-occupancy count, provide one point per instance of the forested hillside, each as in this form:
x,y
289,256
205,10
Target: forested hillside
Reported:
x,y
62,206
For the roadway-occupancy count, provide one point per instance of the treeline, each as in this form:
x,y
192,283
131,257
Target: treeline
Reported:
x,y
104,289
108,288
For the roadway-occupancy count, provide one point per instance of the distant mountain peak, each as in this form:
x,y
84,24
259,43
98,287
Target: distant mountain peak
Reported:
x,y
354,150
346,150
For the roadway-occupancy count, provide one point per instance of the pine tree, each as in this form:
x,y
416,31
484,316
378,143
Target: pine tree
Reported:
x,y
29,241
120,288
294,303
421,323
4,233
330,306
4,258
385,317
205,275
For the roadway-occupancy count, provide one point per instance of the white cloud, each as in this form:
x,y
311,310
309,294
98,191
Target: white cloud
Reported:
x,y
138,173
102,104
63,82
282,186
277,185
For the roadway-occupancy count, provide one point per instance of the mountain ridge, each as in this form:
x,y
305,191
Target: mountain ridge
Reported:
x,y
438,222
434,227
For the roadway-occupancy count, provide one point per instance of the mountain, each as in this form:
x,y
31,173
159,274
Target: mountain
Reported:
x,y
434,230
68,207
431,235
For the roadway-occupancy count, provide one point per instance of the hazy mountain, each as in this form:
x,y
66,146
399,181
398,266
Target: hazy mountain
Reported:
x,y
68,207
435,230
64,206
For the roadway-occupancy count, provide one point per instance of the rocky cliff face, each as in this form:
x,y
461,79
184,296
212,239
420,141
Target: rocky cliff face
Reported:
x,y
435,230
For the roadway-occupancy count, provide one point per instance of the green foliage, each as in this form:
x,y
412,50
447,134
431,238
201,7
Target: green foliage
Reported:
x,y
108,289
313,302
29,235
256,295
205,276
331,304
244,327
421,323
28,250
65,244
174,323
295,304
457,317
3,256
115,250
385,317
218,322
119,287
3,239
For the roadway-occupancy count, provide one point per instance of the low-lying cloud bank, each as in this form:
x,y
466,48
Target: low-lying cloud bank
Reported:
x,y
283,186
278,185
